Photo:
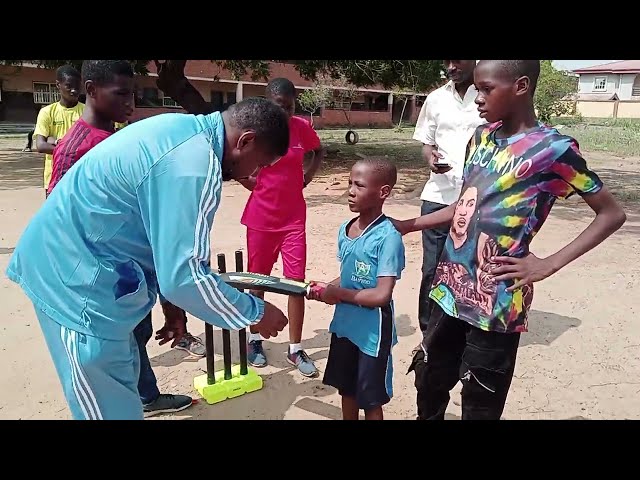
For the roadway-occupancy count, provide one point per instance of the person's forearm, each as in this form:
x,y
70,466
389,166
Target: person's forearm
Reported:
x,y
367,297
188,97
312,169
427,150
249,183
43,146
431,220
602,227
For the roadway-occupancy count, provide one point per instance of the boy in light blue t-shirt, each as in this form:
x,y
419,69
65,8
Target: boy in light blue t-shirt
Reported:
x,y
371,255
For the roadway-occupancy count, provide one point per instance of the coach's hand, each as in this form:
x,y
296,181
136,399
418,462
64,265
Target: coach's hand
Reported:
x,y
273,321
175,324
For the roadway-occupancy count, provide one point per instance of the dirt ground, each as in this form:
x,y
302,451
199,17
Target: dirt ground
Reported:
x,y
579,360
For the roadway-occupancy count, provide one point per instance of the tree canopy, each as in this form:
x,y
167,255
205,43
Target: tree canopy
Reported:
x,y
414,75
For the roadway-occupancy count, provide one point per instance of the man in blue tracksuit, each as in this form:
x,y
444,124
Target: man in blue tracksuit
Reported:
x,y
132,218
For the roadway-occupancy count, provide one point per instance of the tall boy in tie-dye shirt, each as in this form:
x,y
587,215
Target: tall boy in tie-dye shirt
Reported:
x,y
515,170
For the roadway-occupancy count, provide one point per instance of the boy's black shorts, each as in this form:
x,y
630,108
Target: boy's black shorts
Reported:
x,y
356,374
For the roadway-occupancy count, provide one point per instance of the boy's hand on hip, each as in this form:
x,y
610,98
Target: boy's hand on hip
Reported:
x,y
272,322
524,271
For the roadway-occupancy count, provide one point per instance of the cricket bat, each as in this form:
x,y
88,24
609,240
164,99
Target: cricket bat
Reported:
x,y
267,283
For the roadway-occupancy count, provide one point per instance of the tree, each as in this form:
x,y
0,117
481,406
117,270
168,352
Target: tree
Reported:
x,y
404,97
423,74
342,93
554,86
314,98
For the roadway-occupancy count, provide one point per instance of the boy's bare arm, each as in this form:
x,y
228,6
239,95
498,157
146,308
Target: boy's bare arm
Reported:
x,y
43,145
367,297
425,222
312,166
609,217
250,182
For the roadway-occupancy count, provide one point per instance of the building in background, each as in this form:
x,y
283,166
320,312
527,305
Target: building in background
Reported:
x,y
23,90
611,90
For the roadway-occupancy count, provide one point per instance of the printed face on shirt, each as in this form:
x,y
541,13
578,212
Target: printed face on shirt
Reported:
x,y
69,88
464,213
113,99
286,102
498,94
459,71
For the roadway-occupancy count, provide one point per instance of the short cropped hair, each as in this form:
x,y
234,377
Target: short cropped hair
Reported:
x,y
383,168
104,71
522,68
281,86
67,71
267,119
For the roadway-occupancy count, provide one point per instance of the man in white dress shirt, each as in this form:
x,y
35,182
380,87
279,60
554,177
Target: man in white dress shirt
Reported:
x,y
447,120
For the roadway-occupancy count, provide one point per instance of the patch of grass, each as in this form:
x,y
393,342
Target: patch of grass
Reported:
x,y
619,137
617,140
397,145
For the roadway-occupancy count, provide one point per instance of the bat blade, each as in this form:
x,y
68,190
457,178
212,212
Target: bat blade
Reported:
x,y
267,283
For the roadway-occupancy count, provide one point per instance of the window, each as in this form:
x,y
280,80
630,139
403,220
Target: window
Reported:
x,y
45,93
169,102
600,84
635,90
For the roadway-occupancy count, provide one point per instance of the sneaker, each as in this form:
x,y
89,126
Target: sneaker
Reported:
x,y
192,344
303,363
167,403
255,354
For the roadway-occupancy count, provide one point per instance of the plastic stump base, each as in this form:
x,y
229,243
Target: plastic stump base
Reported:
x,y
223,389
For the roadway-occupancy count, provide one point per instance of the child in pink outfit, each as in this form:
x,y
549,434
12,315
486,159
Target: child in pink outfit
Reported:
x,y
275,217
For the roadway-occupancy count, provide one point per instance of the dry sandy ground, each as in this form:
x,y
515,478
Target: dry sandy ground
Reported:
x,y
580,359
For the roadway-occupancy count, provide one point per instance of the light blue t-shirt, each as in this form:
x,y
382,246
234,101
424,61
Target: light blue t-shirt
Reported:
x,y
133,216
377,252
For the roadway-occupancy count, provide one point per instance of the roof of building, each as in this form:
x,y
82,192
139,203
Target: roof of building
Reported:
x,y
622,66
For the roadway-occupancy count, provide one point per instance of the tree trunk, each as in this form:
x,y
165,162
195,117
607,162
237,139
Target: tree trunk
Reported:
x,y
404,106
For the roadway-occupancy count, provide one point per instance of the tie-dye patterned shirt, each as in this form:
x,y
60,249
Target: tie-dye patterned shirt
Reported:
x,y
510,185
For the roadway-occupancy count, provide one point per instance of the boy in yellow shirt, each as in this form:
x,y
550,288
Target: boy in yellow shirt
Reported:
x,y
55,120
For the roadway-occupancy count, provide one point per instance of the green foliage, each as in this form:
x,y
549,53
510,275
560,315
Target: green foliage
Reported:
x,y
314,98
417,75
554,86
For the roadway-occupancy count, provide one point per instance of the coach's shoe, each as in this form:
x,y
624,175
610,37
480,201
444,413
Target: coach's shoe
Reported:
x,y
167,403
303,363
255,354
192,344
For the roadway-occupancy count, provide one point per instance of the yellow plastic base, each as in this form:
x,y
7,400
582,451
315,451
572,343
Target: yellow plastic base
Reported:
x,y
223,389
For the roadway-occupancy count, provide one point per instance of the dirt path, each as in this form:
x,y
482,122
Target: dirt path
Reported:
x,y
580,359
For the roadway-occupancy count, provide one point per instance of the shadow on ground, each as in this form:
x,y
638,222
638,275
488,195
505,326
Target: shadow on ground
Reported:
x,y
546,327
20,169
281,389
